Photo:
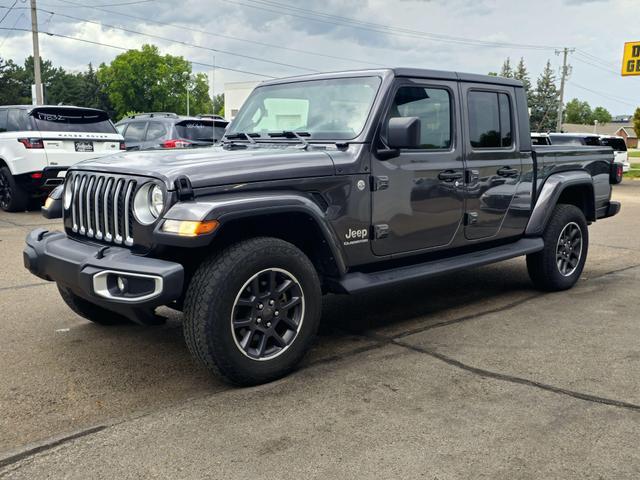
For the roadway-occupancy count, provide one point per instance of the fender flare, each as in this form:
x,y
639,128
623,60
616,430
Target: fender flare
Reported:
x,y
549,195
232,206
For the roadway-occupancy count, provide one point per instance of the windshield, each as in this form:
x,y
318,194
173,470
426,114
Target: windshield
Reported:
x,y
71,120
333,109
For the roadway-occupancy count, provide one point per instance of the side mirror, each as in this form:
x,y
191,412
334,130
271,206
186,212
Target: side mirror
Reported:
x,y
404,132
53,205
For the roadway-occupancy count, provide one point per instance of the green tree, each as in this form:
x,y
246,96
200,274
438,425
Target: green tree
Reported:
x,y
12,84
578,112
543,103
521,73
636,121
145,81
506,70
199,100
218,104
602,115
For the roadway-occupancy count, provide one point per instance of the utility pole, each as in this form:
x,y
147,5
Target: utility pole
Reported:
x,y
36,53
566,70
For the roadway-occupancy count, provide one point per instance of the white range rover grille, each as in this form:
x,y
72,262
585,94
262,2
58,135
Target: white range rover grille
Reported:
x,y
102,207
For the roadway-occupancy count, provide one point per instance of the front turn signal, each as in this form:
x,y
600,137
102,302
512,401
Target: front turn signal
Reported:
x,y
189,228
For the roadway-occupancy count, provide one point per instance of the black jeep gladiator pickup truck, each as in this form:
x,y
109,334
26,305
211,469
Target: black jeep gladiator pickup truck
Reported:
x,y
338,182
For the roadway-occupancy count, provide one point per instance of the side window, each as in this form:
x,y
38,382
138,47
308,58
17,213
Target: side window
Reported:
x,y
120,128
18,120
490,122
135,132
433,107
3,120
156,130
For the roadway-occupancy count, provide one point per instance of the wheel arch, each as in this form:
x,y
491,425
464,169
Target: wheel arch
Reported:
x,y
574,188
291,216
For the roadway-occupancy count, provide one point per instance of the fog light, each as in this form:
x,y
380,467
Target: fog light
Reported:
x,y
122,284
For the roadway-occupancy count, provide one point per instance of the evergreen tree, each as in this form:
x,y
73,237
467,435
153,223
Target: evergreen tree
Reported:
x,y
522,74
636,121
543,103
506,70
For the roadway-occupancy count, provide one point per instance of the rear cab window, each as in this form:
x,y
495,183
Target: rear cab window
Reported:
x,y
490,120
50,119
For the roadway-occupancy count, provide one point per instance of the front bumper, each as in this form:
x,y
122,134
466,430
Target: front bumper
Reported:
x,y
96,273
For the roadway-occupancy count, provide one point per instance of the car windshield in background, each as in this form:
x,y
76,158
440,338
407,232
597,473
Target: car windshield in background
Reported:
x,y
71,120
616,143
198,130
333,109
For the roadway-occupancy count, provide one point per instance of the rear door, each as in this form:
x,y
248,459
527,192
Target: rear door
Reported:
x,y
493,163
71,135
417,202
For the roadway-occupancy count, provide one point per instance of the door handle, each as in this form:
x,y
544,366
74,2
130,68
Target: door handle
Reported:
x,y
508,172
449,175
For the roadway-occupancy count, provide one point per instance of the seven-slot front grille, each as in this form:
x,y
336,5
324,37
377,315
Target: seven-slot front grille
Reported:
x,y
102,207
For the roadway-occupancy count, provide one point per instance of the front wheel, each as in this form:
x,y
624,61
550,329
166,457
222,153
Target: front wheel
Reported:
x,y
252,310
566,242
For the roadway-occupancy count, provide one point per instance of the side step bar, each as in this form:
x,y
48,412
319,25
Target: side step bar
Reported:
x,y
357,281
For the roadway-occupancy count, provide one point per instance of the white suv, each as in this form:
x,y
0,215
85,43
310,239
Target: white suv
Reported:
x,y
619,150
38,144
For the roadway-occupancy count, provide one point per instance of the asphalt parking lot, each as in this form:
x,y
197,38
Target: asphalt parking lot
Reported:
x,y
473,375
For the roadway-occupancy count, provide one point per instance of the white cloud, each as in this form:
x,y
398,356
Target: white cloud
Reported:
x,y
599,27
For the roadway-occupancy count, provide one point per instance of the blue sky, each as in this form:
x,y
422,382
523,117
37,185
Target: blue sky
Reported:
x,y
463,35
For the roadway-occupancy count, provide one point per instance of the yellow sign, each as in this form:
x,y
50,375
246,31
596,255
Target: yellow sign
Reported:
x,y
631,59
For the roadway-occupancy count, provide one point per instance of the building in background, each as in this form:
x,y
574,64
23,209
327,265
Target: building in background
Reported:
x,y
630,136
235,93
625,131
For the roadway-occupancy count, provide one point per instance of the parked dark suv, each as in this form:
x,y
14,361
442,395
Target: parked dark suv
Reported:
x,y
167,130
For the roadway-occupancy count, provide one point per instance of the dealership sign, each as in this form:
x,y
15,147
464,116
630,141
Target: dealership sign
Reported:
x,y
631,59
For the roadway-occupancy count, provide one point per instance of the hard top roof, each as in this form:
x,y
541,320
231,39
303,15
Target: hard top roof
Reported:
x,y
402,72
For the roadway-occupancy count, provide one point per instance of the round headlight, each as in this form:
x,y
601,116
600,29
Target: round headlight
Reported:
x,y
148,203
156,200
68,194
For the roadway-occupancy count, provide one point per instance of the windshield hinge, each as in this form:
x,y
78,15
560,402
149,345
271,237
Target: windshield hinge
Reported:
x,y
184,189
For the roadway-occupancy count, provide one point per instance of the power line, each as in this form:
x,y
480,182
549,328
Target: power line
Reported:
x,y
181,42
219,35
605,95
586,61
378,28
8,11
21,16
595,58
84,40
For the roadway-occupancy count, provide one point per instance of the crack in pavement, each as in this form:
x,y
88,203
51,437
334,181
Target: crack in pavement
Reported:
x,y
518,380
26,285
379,342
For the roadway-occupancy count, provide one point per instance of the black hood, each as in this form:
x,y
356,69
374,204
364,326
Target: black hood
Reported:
x,y
217,166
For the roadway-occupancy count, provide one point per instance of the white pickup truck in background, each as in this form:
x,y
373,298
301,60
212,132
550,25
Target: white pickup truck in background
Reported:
x,y
38,144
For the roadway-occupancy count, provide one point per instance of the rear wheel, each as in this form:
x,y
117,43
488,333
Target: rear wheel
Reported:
x,y
566,242
89,310
12,197
252,310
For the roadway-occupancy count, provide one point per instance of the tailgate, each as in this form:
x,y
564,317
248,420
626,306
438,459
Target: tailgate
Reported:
x,y
64,149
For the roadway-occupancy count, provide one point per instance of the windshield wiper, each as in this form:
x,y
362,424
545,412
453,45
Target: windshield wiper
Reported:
x,y
292,134
242,136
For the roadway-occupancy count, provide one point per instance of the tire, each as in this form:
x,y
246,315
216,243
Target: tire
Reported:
x,y
12,197
566,243
230,313
90,311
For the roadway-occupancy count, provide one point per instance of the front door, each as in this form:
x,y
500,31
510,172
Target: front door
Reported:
x,y
417,202
493,162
